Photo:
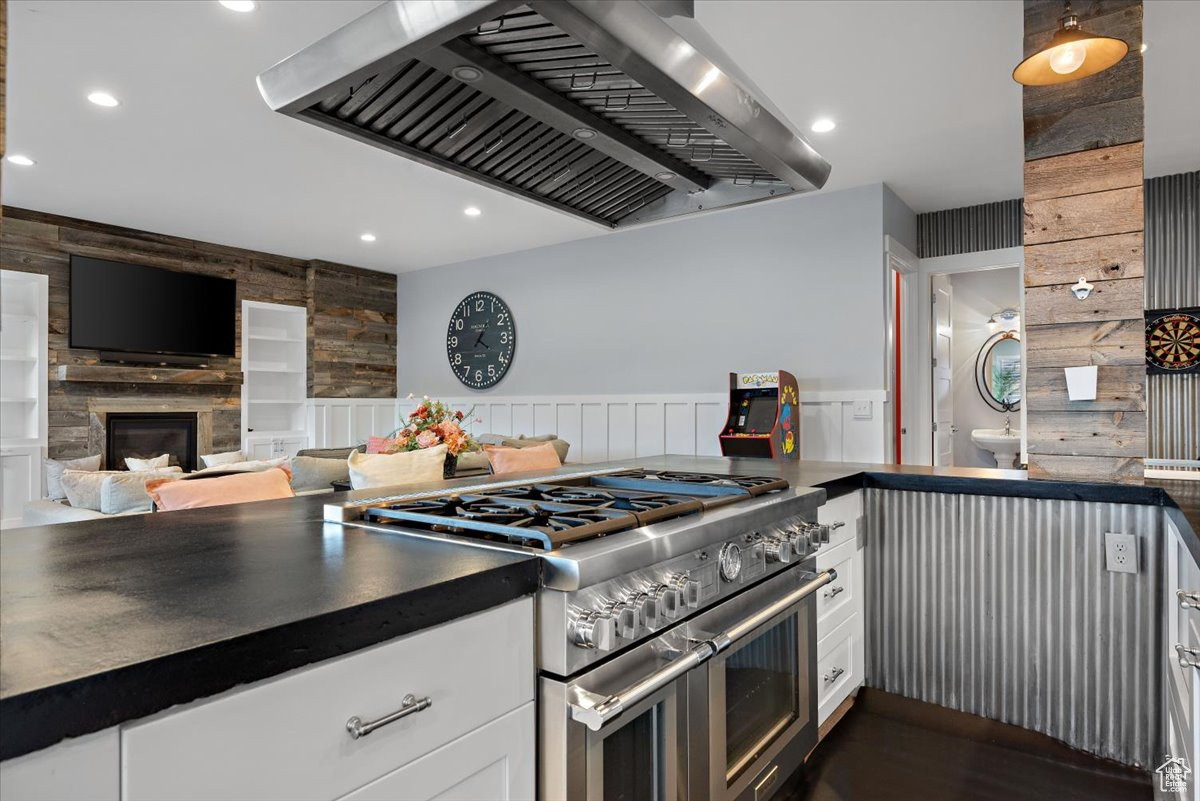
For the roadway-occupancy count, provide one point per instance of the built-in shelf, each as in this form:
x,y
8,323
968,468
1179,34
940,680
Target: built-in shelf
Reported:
x,y
124,374
267,368
13,359
276,402
17,399
274,338
275,393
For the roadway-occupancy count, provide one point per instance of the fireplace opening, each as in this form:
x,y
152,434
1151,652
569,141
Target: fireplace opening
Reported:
x,y
145,435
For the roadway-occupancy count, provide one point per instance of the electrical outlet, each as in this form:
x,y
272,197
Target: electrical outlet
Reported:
x,y
1120,553
862,409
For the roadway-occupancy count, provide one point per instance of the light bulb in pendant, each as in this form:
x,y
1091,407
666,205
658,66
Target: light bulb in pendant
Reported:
x,y
1066,58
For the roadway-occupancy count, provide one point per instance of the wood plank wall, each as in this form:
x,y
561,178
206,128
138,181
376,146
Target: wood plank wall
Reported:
x,y
1084,217
350,308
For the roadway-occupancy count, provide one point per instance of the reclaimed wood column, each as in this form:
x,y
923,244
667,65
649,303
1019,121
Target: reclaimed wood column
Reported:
x,y
1084,217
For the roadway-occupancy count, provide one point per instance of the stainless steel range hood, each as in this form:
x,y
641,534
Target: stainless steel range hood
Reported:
x,y
616,111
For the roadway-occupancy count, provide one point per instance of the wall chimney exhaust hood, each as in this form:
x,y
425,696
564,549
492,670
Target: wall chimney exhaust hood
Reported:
x,y
616,111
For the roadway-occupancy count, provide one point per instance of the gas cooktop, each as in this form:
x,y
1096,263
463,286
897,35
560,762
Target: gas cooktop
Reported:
x,y
547,515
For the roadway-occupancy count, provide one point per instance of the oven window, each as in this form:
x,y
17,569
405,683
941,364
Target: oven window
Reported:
x,y
632,759
762,694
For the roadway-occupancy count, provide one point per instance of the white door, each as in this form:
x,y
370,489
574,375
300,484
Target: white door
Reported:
x,y
943,373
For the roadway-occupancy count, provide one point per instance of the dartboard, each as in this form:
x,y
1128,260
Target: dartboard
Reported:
x,y
1173,341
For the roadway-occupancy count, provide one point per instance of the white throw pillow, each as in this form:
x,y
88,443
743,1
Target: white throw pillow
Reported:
x,y
140,465
55,468
244,467
125,493
392,469
84,488
228,457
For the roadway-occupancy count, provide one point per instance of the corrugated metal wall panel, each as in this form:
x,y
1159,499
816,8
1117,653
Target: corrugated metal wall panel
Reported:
x,y
1173,281
1001,607
984,227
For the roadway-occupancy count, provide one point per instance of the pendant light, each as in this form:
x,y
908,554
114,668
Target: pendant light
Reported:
x,y
1071,54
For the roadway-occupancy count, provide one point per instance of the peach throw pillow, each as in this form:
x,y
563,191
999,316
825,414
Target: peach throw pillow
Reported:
x,y
266,485
522,460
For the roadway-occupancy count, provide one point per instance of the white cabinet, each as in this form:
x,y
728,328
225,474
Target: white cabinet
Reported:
x,y
80,769
23,388
841,615
1181,684
495,762
256,447
275,377
287,737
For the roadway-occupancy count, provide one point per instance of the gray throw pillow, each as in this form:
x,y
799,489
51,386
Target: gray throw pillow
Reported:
x,y
55,468
84,487
312,473
330,453
124,492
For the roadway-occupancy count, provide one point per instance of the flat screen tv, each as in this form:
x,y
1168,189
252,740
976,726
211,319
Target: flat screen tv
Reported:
x,y
128,308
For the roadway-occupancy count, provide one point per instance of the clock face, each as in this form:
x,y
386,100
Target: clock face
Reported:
x,y
480,340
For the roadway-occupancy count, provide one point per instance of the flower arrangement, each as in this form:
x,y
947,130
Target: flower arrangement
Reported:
x,y
431,424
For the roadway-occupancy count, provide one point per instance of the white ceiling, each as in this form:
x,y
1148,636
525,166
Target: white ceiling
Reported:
x,y
920,90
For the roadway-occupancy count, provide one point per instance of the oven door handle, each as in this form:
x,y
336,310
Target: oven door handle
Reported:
x,y
594,710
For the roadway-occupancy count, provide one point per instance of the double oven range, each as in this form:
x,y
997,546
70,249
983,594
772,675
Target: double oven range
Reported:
x,y
676,623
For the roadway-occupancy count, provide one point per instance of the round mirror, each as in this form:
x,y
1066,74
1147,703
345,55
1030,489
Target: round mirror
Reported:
x,y
998,371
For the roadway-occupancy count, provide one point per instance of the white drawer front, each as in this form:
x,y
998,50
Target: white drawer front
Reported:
x,y
286,737
839,666
838,599
495,763
846,510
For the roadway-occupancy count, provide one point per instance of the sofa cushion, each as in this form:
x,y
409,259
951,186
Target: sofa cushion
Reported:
x,y
311,473
330,453
228,457
55,468
262,485
542,456
48,513
83,487
391,469
252,466
137,465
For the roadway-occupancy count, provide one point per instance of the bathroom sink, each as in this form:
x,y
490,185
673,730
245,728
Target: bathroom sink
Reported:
x,y
1005,447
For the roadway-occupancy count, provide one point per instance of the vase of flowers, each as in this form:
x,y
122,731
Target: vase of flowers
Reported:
x,y
431,424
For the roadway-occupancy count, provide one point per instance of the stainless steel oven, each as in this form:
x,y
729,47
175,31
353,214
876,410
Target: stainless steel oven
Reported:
x,y
720,706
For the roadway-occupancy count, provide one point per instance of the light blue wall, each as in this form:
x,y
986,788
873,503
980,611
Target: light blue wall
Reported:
x,y
794,283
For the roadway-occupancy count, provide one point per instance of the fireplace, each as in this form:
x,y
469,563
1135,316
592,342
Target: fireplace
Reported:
x,y
144,435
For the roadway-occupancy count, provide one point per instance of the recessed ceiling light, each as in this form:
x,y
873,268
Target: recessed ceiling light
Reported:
x,y
583,133
22,161
823,125
103,99
472,211
240,6
367,237
664,176
466,73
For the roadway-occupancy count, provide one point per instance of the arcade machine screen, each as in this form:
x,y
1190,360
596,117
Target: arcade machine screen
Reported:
x,y
760,414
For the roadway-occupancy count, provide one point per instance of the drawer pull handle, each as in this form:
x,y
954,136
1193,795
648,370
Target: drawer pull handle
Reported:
x,y
834,675
1188,600
408,706
1187,656
834,590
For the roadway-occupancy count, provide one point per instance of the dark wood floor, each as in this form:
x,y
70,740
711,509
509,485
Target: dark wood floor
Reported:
x,y
888,747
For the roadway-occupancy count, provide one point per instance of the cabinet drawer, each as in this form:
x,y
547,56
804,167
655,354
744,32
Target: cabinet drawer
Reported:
x,y
495,762
838,599
846,509
840,666
286,737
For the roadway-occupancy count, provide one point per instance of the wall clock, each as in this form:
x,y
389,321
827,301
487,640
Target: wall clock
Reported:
x,y
1173,341
481,340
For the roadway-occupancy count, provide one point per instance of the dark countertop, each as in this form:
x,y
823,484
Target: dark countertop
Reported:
x,y
110,620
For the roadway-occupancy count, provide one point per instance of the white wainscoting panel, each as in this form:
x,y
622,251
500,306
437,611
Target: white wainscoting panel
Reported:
x,y
612,427
343,422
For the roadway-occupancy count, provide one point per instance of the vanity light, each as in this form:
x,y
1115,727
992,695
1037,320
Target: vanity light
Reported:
x,y
472,211
240,6
367,237
1007,315
823,125
1071,54
104,99
1143,48
21,161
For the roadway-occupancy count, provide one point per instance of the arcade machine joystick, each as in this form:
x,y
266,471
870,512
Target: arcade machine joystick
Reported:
x,y
764,416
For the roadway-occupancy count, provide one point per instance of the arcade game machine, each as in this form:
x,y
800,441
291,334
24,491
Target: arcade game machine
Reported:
x,y
764,416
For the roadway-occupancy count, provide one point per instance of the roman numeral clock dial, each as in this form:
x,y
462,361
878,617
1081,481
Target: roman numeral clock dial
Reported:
x,y
481,340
